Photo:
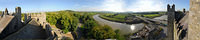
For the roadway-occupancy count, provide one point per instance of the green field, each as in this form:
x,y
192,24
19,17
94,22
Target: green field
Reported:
x,y
127,17
118,18
151,15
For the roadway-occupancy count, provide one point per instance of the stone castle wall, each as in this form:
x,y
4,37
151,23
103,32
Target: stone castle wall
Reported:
x,y
14,25
41,17
194,20
171,20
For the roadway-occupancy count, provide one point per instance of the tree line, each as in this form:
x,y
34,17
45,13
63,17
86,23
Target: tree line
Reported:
x,y
68,21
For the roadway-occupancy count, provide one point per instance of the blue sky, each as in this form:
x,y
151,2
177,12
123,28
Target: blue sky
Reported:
x,y
92,5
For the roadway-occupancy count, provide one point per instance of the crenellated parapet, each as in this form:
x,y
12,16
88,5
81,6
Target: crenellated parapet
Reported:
x,y
18,13
10,23
171,21
177,23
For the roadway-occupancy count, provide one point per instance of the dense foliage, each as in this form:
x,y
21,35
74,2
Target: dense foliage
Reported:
x,y
64,20
103,32
69,20
22,15
92,30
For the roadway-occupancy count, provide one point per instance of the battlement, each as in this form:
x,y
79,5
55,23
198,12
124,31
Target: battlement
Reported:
x,y
170,13
10,23
176,20
171,8
12,27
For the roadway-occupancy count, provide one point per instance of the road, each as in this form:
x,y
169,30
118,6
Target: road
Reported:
x,y
124,28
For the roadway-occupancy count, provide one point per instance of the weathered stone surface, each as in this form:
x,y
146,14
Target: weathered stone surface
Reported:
x,y
33,30
5,21
6,12
171,21
11,27
194,20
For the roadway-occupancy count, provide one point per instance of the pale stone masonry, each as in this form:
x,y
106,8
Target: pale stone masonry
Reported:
x,y
194,20
12,27
10,24
6,12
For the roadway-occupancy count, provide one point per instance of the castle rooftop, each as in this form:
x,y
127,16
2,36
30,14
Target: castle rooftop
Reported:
x,y
4,21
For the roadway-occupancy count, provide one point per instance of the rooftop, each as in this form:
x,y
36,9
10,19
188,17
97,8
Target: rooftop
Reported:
x,y
4,21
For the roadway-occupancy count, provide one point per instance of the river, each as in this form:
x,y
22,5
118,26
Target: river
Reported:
x,y
123,27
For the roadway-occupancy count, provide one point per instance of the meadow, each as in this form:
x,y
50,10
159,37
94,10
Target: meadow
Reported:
x,y
130,18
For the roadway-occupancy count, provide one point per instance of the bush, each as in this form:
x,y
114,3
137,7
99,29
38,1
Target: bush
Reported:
x,y
118,36
65,20
104,32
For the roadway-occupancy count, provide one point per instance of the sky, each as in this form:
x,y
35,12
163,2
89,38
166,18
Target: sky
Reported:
x,y
29,6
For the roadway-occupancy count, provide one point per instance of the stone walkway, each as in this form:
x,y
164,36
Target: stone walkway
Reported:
x,y
33,30
5,21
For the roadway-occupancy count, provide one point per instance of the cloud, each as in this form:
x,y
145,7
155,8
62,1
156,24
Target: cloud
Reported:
x,y
127,5
147,5
113,5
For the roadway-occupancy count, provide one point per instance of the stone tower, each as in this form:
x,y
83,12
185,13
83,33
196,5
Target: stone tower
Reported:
x,y
184,10
25,18
29,16
6,11
2,14
18,17
18,13
171,21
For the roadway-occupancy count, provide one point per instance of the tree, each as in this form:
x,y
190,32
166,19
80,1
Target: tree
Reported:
x,y
104,32
65,20
118,36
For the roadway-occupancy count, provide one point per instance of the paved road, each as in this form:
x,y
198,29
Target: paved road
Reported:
x,y
124,28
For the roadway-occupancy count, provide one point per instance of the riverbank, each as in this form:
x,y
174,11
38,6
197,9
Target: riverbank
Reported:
x,y
123,27
122,19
